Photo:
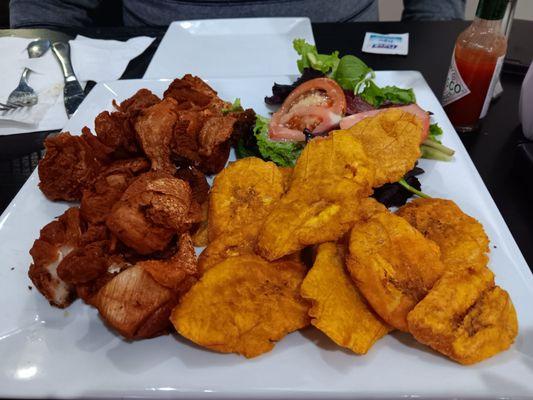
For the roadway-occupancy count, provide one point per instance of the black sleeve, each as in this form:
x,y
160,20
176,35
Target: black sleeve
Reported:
x,y
417,10
53,13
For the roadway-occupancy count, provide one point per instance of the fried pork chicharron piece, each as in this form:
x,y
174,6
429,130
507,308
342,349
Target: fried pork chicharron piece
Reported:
x,y
465,316
115,130
243,305
393,265
152,210
197,181
142,99
461,238
154,127
214,142
329,180
179,272
392,140
338,309
68,166
99,197
192,93
56,241
203,138
135,304
137,301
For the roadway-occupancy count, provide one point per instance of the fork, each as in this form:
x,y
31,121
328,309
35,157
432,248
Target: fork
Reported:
x,y
24,95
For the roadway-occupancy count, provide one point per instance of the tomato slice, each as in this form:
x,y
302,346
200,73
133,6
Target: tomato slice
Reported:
x,y
317,105
348,122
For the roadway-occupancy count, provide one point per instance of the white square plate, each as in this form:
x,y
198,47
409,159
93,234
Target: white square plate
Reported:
x,y
47,352
228,48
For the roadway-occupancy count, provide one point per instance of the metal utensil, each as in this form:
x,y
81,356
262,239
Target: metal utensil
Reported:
x,y
24,95
73,93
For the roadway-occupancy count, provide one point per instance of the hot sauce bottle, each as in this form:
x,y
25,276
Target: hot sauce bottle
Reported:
x,y
476,64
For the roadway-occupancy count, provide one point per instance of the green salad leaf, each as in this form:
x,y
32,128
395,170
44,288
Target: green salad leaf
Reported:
x,y
376,96
433,149
435,131
310,58
235,107
350,72
283,154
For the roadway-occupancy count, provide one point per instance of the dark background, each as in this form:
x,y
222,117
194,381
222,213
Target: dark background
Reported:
x,y
4,13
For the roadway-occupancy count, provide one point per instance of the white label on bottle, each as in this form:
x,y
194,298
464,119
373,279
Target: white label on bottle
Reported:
x,y
455,87
495,79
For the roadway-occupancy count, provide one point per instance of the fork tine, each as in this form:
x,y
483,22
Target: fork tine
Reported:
x,y
7,106
17,104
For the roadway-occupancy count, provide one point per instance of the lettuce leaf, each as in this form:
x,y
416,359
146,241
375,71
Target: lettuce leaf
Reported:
x,y
311,59
376,96
350,72
283,154
434,132
235,107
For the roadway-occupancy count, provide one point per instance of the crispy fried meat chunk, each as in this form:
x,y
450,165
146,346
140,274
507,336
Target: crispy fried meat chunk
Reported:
x,y
338,308
142,99
154,127
465,316
56,241
177,273
84,264
461,238
185,137
197,181
214,142
115,130
114,264
68,166
101,151
137,300
203,139
243,305
135,304
192,93
393,265
154,208
99,197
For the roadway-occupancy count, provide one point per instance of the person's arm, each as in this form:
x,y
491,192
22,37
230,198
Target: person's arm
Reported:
x,y
52,13
417,10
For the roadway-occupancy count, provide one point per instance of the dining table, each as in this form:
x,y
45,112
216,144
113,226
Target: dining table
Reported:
x,y
499,150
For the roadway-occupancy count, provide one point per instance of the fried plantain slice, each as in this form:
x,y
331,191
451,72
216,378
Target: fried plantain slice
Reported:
x,y
338,309
392,140
329,180
242,196
243,305
223,247
286,173
461,238
465,316
393,265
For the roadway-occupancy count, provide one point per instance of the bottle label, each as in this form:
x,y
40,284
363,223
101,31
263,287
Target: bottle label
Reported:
x,y
455,87
495,79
